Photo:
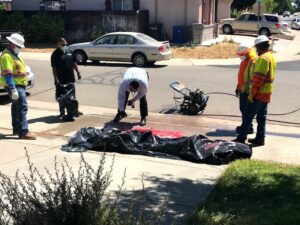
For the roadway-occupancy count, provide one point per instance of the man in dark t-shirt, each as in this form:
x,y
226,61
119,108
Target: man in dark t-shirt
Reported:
x,y
63,65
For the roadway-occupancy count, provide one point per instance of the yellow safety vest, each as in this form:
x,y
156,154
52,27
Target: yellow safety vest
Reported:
x,y
248,77
11,64
265,66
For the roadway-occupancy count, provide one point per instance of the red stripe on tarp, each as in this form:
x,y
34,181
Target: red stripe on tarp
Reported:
x,y
161,133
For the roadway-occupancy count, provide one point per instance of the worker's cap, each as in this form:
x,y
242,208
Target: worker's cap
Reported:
x,y
243,48
17,39
260,39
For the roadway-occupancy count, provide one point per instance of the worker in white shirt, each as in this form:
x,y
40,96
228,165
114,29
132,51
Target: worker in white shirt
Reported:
x,y
135,81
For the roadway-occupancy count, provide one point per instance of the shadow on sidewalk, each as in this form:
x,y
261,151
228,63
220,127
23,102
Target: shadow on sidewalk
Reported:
x,y
8,137
221,133
179,196
47,119
123,126
5,100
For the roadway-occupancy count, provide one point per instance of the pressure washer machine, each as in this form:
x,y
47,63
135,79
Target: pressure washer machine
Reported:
x,y
193,102
68,99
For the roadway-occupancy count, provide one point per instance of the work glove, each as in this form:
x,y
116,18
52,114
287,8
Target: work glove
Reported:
x,y
237,92
250,98
14,94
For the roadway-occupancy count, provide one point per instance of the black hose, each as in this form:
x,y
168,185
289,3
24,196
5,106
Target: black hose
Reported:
x,y
270,114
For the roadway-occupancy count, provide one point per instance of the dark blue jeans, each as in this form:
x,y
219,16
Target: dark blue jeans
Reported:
x,y
260,110
243,105
19,109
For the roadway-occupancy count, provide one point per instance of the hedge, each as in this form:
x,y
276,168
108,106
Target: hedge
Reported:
x,y
40,27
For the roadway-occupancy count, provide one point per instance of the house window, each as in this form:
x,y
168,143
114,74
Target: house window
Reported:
x,y
50,5
122,5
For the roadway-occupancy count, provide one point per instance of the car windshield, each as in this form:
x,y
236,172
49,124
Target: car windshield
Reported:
x,y
147,38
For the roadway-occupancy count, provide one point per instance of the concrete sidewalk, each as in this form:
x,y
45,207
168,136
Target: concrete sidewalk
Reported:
x,y
184,183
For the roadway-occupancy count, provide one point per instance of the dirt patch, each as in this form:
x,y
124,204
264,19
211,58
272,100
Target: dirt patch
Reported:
x,y
218,51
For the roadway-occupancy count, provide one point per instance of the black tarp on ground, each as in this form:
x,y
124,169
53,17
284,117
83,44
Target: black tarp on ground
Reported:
x,y
196,148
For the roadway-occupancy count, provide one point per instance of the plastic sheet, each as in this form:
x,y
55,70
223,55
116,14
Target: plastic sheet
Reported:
x,y
196,148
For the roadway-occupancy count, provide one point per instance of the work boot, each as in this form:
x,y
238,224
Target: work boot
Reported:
x,y
256,142
239,140
238,130
27,136
143,121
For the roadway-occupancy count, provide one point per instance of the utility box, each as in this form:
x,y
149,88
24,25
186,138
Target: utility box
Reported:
x,y
179,34
156,31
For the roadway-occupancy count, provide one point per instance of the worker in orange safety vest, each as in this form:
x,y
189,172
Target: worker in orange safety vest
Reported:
x,y
248,56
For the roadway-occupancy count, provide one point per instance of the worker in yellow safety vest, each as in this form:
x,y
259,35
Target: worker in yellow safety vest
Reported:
x,y
260,90
14,79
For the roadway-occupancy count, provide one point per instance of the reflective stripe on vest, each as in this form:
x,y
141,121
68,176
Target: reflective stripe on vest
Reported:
x,y
268,84
267,87
248,77
18,73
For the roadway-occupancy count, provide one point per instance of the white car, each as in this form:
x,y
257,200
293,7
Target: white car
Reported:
x,y
30,76
137,48
284,26
296,23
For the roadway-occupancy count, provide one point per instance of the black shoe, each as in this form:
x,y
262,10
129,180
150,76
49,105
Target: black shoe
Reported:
x,y
239,140
120,116
256,142
78,114
61,115
143,121
68,119
238,130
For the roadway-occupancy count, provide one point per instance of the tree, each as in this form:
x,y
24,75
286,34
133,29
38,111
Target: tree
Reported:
x,y
242,4
273,6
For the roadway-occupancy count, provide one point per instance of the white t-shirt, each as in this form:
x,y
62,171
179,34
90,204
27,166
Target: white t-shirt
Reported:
x,y
131,74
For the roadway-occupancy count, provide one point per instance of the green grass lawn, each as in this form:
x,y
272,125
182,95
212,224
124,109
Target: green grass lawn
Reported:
x,y
253,193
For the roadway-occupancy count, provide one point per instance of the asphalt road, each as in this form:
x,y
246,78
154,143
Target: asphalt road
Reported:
x,y
99,86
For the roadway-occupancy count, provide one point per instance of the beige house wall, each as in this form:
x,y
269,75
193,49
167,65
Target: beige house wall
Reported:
x,y
224,9
173,13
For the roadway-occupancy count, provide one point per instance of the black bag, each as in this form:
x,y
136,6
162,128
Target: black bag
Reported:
x,y
196,148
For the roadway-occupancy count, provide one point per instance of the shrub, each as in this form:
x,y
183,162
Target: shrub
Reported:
x,y
40,27
66,197
45,28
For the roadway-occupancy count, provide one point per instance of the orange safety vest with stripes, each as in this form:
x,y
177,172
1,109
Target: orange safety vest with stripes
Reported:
x,y
262,82
11,64
250,56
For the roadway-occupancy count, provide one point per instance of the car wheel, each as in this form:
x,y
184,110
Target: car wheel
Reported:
x,y
139,60
264,31
227,29
80,57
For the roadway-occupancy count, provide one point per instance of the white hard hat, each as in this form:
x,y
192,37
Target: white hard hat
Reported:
x,y
261,39
244,48
17,39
